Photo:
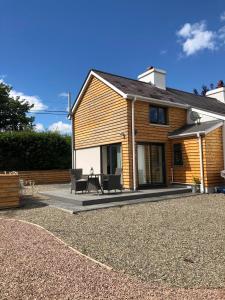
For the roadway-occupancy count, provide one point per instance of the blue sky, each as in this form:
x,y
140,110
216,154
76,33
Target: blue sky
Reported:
x,y
47,47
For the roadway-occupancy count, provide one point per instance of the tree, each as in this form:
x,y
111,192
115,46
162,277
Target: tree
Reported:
x,y
204,90
220,84
13,112
195,91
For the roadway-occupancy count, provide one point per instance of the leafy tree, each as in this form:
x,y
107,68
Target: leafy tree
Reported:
x,y
205,89
195,91
212,86
220,83
13,112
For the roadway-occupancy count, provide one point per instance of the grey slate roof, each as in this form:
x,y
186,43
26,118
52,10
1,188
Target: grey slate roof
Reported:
x,y
136,87
194,128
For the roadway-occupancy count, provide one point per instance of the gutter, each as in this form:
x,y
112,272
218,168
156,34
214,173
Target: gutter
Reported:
x,y
223,134
202,186
70,117
133,144
156,101
185,135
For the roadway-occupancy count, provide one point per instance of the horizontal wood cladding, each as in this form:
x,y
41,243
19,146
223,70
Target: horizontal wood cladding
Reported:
x,y
177,118
212,146
213,157
100,117
191,162
9,191
46,176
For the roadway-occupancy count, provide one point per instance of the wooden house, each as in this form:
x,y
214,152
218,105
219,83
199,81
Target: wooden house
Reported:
x,y
156,134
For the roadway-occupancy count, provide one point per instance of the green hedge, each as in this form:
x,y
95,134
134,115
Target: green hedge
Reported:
x,y
24,151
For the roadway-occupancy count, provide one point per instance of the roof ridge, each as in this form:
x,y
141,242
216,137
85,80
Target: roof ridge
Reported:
x,y
95,70
145,83
188,92
203,97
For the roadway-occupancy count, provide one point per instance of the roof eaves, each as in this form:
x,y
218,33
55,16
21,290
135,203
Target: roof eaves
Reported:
x,y
182,135
157,101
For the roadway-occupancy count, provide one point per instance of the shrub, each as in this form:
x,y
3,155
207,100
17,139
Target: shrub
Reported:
x,y
34,151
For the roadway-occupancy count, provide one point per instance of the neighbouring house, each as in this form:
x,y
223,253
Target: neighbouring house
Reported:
x,y
156,134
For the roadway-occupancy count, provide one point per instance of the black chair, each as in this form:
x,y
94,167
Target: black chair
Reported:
x,y
78,180
111,182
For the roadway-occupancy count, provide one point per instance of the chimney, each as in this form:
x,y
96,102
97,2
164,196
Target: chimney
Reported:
x,y
218,93
154,76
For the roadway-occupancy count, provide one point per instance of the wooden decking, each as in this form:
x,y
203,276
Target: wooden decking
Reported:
x,y
60,197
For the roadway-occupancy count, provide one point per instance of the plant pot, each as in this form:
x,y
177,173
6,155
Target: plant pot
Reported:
x,y
195,188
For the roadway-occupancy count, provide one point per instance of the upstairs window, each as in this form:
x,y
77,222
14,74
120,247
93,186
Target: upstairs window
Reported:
x,y
177,155
158,115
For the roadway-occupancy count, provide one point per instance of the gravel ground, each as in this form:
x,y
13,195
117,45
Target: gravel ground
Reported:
x,y
175,243
36,265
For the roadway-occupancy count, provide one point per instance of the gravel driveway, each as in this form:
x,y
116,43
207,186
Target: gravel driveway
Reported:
x,y
36,265
177,243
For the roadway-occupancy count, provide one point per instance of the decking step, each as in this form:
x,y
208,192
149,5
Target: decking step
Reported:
x,y
89,199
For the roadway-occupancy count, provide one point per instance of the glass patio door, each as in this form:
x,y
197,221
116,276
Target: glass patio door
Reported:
x,y
151,161
111,158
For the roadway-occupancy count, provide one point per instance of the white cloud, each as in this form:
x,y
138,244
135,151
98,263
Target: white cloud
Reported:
x,y
163,52
2,77
39,127
60,127
221,34
38,104
63,94
222,16
196,37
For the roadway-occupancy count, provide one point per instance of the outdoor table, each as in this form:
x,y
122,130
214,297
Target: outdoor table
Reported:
x,y
93,183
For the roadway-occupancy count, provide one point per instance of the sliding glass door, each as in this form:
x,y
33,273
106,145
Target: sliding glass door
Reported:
x,y
151,164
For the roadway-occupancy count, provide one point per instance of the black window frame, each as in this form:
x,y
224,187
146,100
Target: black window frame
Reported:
x,y
178,154
158,118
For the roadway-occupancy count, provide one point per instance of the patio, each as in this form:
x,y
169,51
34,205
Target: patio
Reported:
x,y
59,196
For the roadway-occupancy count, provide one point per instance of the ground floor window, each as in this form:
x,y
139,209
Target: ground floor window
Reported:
x,y
177,154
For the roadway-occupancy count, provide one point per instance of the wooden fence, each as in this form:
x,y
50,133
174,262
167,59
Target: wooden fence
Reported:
x,y
46,176
9,191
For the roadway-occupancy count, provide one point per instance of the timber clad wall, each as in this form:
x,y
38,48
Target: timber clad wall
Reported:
x,y
213,157
191,162
212,145
46,176
100,118
9,191
147,132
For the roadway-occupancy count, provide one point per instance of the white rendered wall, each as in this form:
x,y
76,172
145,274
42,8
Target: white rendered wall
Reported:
x,y
154,76
204,117
89,158
218,93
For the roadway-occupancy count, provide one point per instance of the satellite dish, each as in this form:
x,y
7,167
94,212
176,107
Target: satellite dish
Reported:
x,y
194,116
